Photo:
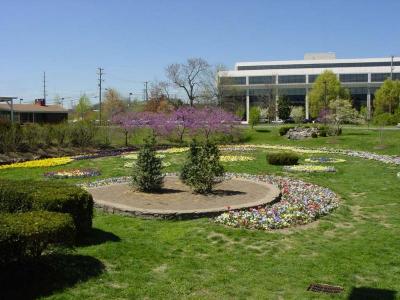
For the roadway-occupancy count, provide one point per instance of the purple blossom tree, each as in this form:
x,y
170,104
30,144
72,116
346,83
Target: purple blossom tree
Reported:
x,y
128,122
212,120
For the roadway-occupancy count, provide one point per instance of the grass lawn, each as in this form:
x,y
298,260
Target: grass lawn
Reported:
x,y
357,246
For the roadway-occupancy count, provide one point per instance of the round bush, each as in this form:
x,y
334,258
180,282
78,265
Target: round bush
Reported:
x,y
28,234
283,158
17,196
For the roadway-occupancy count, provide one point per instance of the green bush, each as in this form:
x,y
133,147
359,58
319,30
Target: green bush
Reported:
x,y
10,136
283,158
48,196
147,171
202,167
29,234
82,134
284,129
323,130
254,116
14,200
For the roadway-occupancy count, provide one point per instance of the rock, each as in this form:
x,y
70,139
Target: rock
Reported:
x,y
301,133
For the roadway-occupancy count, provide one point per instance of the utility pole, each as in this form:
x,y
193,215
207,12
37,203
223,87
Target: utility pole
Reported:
x,y
100,81
129,101
146,94
44,87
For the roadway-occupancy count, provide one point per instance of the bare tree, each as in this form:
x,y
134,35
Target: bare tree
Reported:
x,y
189,76
212,91
159,89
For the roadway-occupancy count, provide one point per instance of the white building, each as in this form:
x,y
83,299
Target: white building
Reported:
x,y
256,83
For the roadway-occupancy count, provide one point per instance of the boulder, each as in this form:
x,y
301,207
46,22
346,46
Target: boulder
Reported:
x,y
301,133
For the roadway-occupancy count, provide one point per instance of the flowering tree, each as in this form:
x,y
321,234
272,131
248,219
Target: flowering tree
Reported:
x,y
182,120
209,121
341,111
128,122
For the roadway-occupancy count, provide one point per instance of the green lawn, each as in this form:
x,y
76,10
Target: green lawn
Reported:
x,y
130,258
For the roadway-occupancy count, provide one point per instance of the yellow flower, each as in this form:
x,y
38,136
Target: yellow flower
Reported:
x,y
47,162
232,158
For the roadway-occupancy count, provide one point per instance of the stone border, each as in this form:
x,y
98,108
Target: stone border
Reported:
x,y
122,209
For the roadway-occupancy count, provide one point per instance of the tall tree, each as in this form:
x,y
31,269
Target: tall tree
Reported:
x,y
83,107
188,76
325,89
387,97
113,103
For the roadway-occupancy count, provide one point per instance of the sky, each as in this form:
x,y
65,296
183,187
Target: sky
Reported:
x,y
135,40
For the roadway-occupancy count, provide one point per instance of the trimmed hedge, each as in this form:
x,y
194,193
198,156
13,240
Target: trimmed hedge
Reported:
x,y
283,158
19,196
28,234
284,129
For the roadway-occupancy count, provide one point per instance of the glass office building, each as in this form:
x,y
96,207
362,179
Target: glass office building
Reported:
x,y
262,83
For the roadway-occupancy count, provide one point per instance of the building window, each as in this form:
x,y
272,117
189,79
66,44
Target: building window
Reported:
x,y
312,78
262,79
292,79
353,77
379,77
233,80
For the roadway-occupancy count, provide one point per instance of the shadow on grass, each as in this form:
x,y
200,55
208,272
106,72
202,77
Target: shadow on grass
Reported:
x,y
46,275
262,129
97,237
366,293
357,133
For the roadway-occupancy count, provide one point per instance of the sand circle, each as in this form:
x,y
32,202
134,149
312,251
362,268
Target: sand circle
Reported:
x,y
176,200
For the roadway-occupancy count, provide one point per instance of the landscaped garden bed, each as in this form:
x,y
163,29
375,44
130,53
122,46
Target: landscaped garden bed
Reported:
x,y
300,203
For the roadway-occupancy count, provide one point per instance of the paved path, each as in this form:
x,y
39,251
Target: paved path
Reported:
x,y
177,201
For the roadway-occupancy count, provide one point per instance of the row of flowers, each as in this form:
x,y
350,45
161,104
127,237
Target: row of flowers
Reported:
x,y
46,162
300,203
74,173
324,160
310,169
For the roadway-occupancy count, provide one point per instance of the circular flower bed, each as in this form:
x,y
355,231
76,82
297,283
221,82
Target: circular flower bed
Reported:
x,y
74,173
300,203
234,158
324,160
309,168
47,162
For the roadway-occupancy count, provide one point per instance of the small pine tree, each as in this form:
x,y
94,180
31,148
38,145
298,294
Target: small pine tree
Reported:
x,y
147,175
202,167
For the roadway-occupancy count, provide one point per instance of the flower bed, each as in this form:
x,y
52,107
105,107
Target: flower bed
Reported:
x,y
47,162
310,169
174,150
134,156
129,164
324,160
74,173
235,158
300,203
